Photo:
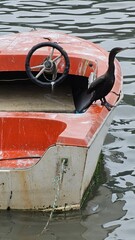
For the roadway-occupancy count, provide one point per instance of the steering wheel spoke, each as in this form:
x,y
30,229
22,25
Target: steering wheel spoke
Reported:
x,y
40,72
46,72
38,66
51,54
57,58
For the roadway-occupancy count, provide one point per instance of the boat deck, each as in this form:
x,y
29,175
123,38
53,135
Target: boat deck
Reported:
x,y
23,95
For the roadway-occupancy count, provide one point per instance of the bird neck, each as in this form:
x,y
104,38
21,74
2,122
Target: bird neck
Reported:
x,y
111,65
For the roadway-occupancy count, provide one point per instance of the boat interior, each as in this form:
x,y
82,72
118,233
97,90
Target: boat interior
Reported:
x,y
18,93
24,139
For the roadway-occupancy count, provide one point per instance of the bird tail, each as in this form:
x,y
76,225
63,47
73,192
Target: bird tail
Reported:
x,y
83,102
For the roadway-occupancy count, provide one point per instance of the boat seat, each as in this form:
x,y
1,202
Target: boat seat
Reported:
x,y
23,95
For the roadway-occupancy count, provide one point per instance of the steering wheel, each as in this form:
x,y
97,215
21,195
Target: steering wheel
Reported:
x,y
44,70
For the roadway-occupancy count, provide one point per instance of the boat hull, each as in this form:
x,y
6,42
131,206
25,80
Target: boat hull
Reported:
x,y
48,152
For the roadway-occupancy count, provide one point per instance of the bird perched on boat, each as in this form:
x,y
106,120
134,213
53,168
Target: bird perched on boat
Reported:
x,y
101,86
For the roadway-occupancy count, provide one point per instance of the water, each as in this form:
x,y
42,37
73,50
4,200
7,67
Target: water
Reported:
x,y
110,214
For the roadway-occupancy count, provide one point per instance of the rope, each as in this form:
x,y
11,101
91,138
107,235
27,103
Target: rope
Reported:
x,y
57,181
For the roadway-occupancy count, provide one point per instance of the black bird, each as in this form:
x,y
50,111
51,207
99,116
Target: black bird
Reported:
x,y
100,87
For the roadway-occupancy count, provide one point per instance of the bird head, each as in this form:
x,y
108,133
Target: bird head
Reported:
x,y
116,50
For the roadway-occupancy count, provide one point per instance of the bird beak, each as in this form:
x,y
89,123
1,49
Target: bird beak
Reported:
x,y
124,49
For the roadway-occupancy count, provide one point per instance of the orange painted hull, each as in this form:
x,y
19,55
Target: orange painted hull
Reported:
x,y
26,137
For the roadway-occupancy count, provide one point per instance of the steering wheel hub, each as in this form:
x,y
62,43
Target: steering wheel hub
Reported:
x,y
48,65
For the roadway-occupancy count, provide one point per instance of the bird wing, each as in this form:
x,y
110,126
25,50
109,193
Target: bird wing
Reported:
x,y
84,101
96,83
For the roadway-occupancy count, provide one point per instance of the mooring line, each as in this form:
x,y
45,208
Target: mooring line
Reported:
x,y
57,181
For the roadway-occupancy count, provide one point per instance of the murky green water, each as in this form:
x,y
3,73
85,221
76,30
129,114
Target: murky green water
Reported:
x,y
110,214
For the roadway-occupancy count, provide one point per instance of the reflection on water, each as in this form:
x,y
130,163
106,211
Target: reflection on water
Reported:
x,y
110,213
28,226
125,225
102,210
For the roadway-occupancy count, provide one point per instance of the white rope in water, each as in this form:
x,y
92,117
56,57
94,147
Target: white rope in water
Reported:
x,y
57,181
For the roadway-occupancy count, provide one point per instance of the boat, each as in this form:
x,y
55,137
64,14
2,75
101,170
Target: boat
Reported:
x,y
48,151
